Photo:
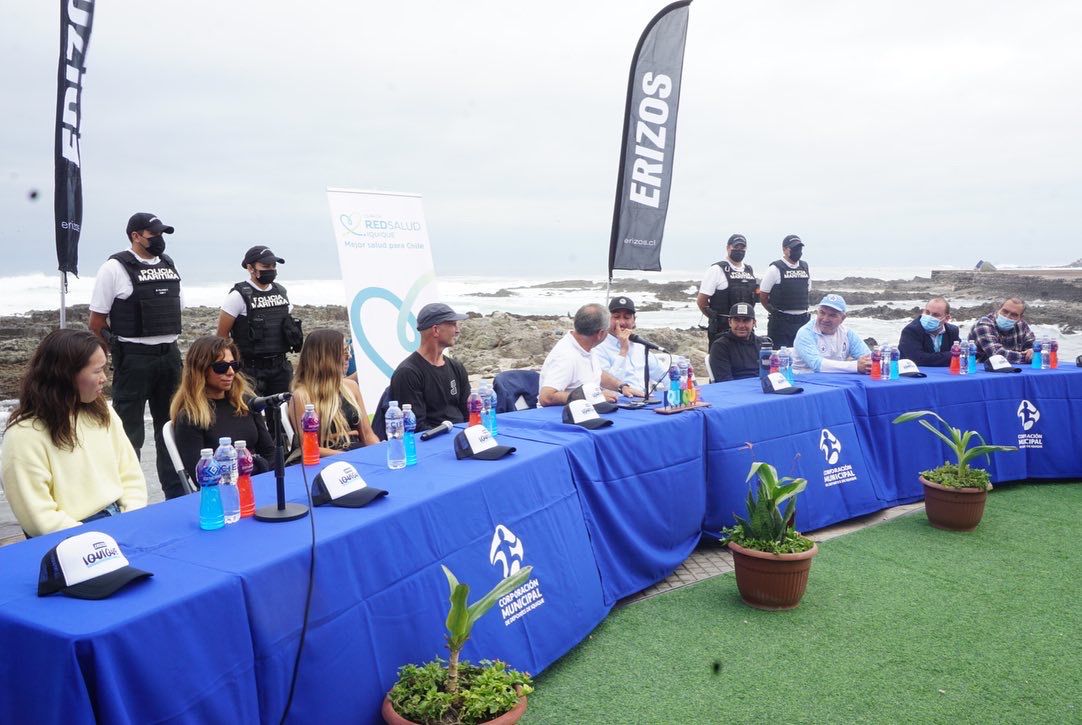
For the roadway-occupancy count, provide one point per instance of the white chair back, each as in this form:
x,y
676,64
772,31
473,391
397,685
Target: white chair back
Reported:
x,y
709,372
287,427
174,456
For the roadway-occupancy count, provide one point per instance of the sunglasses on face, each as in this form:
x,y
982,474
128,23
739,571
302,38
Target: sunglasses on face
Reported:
x,y
221,366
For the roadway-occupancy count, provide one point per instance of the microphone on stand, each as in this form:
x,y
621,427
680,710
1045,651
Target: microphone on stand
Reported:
x,y
438,430
646,343
268,401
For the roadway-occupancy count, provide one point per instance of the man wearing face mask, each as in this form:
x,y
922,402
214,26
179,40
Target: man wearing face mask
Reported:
x,y
135,307
256,312
784,293
927,340
1005,333
726,283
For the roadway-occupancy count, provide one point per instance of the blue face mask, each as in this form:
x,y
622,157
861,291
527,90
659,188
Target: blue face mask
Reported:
x,y
1005,324
929,323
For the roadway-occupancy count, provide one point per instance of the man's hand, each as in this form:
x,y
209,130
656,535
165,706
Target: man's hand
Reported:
x,y
864,364
633,392
623,335
610,395
1028,354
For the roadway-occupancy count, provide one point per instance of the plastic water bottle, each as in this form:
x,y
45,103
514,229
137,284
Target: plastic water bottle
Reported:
x,y
674,386
963,359
226,456
486,405
971,359
475,405
396,447
956,352
876,371
208,474
785,360
691,395
682,371
765,352
1053,353
1035,362
775,362
244,480
1046,353
409,426
894,357
310,436
493,424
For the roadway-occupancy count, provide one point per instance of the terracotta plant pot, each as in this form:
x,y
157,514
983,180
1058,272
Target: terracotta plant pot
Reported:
x,y
771,581
953,509
508,718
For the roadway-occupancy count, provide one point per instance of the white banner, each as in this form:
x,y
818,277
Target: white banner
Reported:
x,y
388,277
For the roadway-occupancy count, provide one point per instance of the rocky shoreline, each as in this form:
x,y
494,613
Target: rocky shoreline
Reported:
x,y
502,341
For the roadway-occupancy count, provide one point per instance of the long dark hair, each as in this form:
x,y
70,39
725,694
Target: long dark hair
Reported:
x,y
49,393
191,396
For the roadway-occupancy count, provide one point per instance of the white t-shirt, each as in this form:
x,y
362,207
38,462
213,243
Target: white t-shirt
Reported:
x,y
715,279
627,368
112,282
773,277
234,303
568,366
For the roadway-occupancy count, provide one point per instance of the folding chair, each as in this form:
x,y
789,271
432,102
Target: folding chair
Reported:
x,y
174,456
516,390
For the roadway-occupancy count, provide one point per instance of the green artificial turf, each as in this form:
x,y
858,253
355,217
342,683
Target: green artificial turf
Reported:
x,y
900,623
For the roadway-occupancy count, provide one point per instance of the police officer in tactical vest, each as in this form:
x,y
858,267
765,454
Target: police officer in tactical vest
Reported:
x,y
726,283
135,308
256,312
784,292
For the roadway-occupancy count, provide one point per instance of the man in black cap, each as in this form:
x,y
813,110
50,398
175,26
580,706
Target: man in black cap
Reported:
x,y
135,308
256,312
784,293
620,357
726,283
437,386
735,354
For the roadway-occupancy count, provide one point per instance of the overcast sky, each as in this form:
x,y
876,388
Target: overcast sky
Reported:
x,y
916,133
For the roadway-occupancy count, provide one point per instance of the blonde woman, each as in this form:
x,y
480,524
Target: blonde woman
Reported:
x,y
65,457
212,403
318,379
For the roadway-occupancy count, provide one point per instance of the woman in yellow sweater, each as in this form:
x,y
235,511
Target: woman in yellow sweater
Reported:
x,y
65,457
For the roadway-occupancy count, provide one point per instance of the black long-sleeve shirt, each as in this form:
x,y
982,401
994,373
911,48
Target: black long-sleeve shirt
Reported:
x,y
251,428
436,393
734,359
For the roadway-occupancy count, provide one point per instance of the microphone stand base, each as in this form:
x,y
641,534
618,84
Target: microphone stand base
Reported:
x,y
272,514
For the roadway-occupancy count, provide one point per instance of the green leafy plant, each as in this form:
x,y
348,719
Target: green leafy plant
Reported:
x,y
460,692
956,475
766,527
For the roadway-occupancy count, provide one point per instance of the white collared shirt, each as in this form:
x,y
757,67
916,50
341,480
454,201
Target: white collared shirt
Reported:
x,y
568,366
627,368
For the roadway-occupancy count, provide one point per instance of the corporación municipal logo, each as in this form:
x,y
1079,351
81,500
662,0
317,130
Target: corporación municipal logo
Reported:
x,y
507,552
831,449
1028,415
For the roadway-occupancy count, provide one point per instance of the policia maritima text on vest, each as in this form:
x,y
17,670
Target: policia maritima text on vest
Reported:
x,y
256,312
135,308
784,293
727,283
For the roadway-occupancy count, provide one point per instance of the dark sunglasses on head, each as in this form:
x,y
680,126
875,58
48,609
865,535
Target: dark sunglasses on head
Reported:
x,y
220,366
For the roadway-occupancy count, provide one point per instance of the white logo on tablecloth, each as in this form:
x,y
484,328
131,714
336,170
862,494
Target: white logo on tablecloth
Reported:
x,y
508,552
831,448
1028,415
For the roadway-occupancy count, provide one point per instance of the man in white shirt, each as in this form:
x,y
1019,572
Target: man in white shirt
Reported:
x,y
135,308
621,358
727,283
826,345
572,363
784,292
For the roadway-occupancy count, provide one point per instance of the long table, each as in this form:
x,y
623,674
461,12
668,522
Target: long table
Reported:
x,y
599,515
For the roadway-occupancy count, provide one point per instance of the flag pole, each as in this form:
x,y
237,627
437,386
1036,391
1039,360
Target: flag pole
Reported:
x,y
63,303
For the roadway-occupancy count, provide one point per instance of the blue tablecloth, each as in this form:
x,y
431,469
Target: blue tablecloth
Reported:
x,y
213,635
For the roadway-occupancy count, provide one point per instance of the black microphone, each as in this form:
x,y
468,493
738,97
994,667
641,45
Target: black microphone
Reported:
x,y
268,401
438,430
646,343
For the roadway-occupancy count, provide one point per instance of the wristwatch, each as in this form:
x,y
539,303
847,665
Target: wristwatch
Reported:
x,y
624,385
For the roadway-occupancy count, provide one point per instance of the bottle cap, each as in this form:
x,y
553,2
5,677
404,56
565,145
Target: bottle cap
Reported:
x,y
206,452
309,406
407,406
225,441
241,444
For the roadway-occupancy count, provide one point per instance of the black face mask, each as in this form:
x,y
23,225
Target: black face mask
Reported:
x,y
737,255
795,254
267,276
156,245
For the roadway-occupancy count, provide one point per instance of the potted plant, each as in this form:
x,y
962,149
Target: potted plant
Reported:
x,y
460,692
954,493
771,558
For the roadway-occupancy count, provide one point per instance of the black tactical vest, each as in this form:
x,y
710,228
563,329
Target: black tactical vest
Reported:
x,y
154,305
258,332
741,288
791,293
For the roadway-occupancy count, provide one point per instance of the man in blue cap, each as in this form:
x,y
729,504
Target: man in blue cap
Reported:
x,y
826,345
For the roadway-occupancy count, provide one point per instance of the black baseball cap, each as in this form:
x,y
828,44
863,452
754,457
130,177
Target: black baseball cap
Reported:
x,y
742,309
477,442
736,239
89,565
261,254
339,484
436,312
592,393
791,241
621,303
581,412
145,221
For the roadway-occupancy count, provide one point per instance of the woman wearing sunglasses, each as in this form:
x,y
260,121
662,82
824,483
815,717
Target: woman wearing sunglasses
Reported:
x,y
212,403
319,380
